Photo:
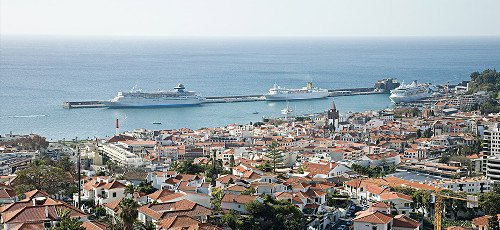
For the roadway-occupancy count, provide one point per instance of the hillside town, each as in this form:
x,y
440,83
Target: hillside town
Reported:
x,y
428,165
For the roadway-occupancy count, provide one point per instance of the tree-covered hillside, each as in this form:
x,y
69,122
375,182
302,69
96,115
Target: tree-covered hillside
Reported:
x,y
489,81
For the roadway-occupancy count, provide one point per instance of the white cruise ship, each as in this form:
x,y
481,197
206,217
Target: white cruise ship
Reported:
x,y
282,94
409,93
138,98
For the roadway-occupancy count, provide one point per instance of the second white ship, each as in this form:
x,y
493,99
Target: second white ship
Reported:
x,y
409,93
283,94
137,98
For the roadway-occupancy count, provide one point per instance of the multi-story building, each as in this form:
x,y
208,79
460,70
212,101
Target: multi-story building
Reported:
x,y
467,185
491,147
119,154
493,168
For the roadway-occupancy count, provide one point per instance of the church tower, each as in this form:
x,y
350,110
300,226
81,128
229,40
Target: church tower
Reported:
x,y
333,117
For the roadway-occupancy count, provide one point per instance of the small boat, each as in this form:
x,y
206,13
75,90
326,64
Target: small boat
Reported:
x,y
156,123
255,112
287,110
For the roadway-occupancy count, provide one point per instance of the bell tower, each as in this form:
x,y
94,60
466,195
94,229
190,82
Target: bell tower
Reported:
x,y
333,117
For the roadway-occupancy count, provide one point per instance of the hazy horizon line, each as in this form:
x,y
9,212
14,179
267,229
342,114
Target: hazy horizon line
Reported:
x,y
242,36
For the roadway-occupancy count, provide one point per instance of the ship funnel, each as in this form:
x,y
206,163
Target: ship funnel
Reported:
x,y
309,85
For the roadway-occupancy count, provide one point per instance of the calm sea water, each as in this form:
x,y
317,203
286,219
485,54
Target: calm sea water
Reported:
x,y
38,74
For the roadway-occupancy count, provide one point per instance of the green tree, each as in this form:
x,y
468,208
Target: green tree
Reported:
x,y
146,188
490,202
68,223
128,213
215,200
43,177
493,223
130,189
273,214
100,212
232,163
188,167
428,133
214,169
488,81
248,191
274,154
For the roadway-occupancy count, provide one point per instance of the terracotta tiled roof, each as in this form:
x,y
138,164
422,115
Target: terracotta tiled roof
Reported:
x,y
402,221
456,228
395,195
40,213
35,193
239,199
26,203
225,179
183,186
318,168
373,217
182,207
160,193
236,188
113,185
28,226
482,220
171,197
251,175
377,189
178,222
7,193
381,205
93,225
185,223
114,204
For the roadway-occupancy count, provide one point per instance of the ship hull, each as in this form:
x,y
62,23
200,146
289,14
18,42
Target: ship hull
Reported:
x,y
152,103
296,96
406,99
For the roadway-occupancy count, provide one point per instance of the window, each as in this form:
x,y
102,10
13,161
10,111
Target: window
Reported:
x,y
114,194
374,227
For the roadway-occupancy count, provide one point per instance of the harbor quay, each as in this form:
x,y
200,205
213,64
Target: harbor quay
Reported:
x,y
382,86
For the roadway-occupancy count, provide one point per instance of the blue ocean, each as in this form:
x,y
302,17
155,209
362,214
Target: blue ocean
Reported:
x,y
37,74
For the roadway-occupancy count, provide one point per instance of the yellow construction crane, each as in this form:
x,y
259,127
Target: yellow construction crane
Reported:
x,y
472,202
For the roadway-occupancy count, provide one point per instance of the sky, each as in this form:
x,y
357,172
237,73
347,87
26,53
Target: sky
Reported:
x,y
275,18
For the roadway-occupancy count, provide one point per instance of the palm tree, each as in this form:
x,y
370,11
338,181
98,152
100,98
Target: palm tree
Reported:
x,y
68,223
130,189
128,212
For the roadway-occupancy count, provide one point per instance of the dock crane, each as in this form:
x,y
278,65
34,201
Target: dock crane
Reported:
x,y
472,202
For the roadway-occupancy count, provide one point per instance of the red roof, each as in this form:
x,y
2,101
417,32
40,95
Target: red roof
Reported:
x,y
374,218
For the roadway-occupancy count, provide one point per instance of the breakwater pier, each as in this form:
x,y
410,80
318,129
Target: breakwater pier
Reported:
x,y
229,99
381,86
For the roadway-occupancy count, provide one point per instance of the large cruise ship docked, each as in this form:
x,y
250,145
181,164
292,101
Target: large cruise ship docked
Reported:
x,y
282,94
137,98
409,93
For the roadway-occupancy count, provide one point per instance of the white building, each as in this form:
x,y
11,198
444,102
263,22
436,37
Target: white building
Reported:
x,y
467,185
121,155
